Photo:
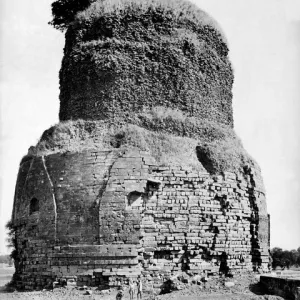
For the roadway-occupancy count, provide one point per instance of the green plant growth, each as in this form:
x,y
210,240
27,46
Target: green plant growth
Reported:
x,y
178,10
285,258
11,239
123,55
64,12
171,137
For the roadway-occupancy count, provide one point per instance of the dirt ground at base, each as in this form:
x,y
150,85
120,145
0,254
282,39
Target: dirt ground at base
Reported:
x,y
245,287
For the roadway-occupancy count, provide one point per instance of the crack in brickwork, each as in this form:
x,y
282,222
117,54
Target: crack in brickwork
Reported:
x,y
53,198
103,187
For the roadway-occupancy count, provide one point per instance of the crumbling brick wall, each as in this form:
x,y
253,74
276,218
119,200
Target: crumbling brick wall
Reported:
x,y
158,219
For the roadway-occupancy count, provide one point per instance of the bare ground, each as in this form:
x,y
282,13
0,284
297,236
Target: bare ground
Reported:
x,y
245,287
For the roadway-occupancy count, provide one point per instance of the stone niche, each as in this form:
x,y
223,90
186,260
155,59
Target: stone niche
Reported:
x,y
129,194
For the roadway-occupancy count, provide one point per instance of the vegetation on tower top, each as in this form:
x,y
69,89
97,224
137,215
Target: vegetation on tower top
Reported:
x,y
122,56
65,12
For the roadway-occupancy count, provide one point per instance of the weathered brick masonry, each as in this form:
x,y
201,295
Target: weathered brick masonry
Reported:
x,y
105,215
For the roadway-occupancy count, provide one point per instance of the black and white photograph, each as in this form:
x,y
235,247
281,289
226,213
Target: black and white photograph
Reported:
x,y
149,149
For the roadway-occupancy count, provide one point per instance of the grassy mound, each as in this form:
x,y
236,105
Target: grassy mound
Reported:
x,y
125,56
178,10
77,136
174,121
212,148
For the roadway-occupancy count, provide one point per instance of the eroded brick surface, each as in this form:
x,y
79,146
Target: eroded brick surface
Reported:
x,y
104,216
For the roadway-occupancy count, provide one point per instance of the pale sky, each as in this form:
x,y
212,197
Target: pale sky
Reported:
x,y
264,42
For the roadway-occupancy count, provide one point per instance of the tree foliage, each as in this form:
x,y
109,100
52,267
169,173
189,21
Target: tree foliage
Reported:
x,y
11,239
64,11
284,258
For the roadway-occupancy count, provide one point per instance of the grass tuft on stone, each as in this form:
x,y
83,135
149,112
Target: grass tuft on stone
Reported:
x,y
209,147
177,10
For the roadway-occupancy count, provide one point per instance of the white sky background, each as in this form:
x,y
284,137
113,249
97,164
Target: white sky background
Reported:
x,y
264,42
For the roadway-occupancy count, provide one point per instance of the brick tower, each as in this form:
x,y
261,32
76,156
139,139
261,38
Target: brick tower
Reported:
x,y
144,175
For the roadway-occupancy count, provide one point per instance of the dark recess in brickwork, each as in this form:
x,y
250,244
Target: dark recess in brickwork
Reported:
x,y
34,206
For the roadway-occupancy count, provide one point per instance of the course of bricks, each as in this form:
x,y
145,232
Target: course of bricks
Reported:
x,y
106,216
